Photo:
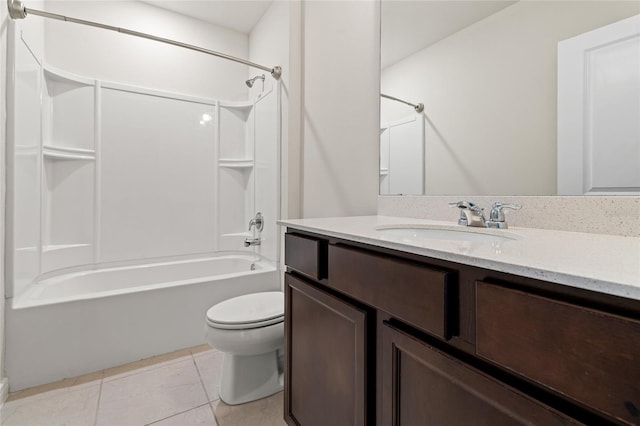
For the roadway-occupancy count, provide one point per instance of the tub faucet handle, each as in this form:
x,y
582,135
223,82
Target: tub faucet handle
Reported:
x,y
257,221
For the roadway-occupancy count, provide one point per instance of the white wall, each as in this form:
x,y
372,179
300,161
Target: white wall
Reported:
x,y
151,182
111,56
155,160
269,45
292,155
120,58
4,23
340,49
158,176
26,76
490,97
32,30
23,172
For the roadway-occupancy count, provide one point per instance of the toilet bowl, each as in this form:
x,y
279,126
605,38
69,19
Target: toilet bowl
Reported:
x,y
249,330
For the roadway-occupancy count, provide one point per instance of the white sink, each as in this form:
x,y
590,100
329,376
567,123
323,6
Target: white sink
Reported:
x,y
447,233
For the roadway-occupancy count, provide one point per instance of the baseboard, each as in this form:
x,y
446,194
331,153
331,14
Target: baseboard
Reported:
x,y
4,390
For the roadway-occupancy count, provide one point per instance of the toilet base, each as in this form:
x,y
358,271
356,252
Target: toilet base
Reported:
x,y
247,378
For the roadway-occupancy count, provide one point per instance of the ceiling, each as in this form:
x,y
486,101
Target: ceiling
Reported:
x,y
239,15
410,26
407,26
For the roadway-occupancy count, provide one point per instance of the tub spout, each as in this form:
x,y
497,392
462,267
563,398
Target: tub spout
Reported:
x,y
251,242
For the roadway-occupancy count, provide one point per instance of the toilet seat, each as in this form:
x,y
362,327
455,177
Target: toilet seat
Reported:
x,y
248,311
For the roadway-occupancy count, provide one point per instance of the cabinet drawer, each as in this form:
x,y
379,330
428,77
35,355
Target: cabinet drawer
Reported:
x,y
588,355
306,255
415,294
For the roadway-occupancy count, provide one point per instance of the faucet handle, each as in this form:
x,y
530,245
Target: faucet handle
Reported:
x,y
496,216
462,205
470,214
468,205
257,221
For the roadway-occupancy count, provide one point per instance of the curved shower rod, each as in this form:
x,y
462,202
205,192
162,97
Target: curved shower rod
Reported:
x,y
419,107
18,11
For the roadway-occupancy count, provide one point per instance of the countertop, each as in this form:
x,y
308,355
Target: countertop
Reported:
x,y
603,263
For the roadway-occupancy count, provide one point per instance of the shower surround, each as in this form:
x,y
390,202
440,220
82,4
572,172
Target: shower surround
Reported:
x,y
127,212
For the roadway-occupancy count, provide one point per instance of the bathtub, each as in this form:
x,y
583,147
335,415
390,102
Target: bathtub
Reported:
x,y
78,322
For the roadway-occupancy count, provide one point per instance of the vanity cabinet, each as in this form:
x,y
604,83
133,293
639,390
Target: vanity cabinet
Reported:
x,y
326,357
424,386
380,337
574,350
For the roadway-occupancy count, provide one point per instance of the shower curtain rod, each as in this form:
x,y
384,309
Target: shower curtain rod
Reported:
x,y
18,11
418,108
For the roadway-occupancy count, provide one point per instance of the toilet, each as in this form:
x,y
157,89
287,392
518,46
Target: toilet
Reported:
x,y
249,330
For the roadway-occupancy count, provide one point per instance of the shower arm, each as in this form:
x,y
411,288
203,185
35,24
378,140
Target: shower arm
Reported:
x,y
18,11
419,107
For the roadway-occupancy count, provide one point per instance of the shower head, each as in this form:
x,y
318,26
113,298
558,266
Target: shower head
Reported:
x,y
251,81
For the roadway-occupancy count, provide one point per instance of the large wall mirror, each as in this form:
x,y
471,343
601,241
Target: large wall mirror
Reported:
x,y
520,98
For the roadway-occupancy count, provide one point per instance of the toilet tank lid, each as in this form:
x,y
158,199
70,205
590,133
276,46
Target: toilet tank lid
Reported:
x,y
249,308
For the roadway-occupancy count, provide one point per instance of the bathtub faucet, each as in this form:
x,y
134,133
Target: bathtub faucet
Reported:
x,y
251,242
257,221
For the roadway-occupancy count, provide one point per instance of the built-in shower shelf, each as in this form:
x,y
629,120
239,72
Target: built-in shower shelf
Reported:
x,y
231,163
60,153
55,74
238,234
241,109
56,247
238,105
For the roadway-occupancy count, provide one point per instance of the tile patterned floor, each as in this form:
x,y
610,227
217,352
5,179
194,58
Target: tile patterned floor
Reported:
x,y
176,389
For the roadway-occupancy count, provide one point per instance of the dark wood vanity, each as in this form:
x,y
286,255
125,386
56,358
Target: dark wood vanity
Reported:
x,y
375,336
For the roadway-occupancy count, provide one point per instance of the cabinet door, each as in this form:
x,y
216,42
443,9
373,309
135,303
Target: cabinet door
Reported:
x,y
422,386
325,381
583,353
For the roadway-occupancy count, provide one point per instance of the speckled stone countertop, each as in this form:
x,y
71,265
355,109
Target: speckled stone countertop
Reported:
x,y
605,263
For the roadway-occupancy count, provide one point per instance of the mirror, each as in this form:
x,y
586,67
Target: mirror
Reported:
x,y
520,98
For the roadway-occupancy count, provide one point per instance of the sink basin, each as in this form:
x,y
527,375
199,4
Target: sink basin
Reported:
x,y
447,233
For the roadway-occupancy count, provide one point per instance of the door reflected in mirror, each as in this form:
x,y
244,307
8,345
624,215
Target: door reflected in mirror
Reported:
x,y
520,98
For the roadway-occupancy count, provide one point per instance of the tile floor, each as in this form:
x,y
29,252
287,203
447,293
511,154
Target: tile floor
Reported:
x,y
176,389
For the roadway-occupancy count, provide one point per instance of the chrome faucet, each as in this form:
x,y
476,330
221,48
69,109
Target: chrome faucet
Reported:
x,y
257,221
497,218
251,242
470,214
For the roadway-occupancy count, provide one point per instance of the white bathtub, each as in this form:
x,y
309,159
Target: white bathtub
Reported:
x,y
79,322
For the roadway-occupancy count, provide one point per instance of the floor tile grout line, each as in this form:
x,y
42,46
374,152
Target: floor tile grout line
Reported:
x,y
215,418
193,358
210,402
175,414
95,418
146,369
